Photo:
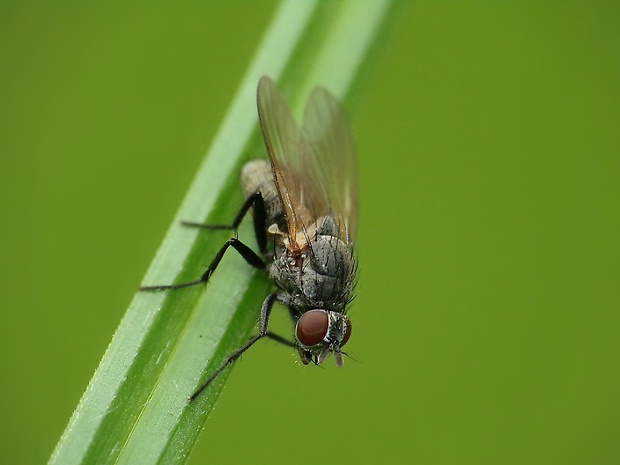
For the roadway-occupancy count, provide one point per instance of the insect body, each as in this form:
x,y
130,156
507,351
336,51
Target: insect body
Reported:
x,y
304,205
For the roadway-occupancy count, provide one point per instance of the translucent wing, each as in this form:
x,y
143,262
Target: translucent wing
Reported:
x,y
314,168
282,137
329,156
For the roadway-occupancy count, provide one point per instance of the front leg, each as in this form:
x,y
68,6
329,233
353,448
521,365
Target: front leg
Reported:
x,y
265,311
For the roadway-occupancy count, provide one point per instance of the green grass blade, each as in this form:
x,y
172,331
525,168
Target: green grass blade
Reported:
x,y
134,409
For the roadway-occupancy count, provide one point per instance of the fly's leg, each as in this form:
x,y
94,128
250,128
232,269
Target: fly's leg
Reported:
x,y
280,339
256,201
265,311
248,254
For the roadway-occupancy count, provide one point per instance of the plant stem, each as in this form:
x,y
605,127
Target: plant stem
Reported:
x,y
135,410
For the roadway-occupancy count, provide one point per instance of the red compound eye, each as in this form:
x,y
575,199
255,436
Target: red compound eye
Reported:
x,y
312,327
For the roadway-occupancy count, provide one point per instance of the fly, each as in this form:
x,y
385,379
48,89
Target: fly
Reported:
x,y
304,207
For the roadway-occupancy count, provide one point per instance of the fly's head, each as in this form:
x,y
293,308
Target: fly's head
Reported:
x,y
321,332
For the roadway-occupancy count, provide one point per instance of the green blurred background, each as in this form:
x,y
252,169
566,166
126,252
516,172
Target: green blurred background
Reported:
x,y
487,325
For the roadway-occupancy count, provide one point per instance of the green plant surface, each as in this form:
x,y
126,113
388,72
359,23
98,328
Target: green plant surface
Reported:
x,y
135,409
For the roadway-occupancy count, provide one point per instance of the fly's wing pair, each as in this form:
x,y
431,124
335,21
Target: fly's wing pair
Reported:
x,y
315,167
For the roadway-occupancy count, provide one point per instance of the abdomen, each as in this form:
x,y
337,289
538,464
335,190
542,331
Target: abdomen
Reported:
x,y
256,176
